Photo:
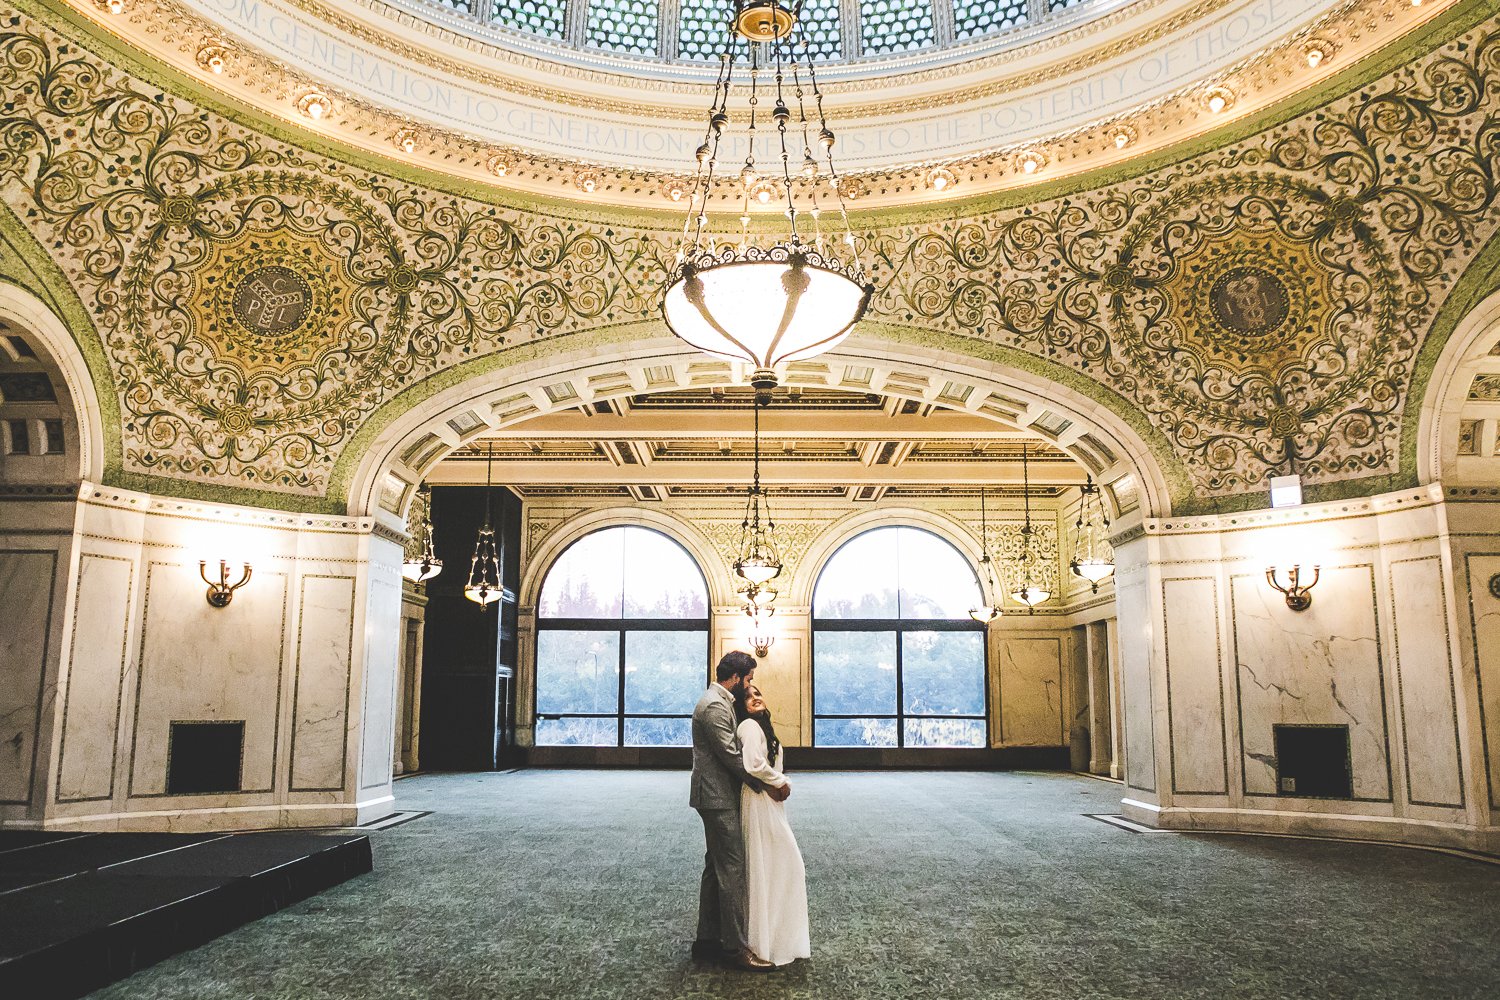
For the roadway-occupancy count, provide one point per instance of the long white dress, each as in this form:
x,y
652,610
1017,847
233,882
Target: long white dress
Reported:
x,y
773,864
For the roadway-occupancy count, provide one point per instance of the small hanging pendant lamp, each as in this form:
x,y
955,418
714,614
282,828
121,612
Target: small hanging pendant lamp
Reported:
x,y
483,587
1028,593
421,564
985,612
759,559
1092,559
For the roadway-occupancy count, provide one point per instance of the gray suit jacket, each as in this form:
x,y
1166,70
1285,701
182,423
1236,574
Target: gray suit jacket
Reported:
x,y
718,769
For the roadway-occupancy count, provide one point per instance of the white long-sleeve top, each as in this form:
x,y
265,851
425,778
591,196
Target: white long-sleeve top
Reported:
x,y
753,749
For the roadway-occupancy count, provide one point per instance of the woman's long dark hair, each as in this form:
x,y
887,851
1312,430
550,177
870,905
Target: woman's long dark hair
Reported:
x,y
773,745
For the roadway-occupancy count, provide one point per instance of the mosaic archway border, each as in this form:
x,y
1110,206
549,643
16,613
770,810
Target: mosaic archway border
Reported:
x,y
1479,284
507,388
1458,19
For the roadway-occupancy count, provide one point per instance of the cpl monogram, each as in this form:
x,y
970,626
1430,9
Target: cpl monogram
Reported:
x,y
272,300
1249,301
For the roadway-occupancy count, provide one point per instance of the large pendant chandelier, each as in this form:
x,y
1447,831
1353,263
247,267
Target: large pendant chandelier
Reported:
x,y
421,563
799,291
985,612
758,560
1028,593
483,586
1092,558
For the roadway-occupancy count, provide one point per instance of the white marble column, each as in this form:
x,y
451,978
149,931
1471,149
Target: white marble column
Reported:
x,y
1101,696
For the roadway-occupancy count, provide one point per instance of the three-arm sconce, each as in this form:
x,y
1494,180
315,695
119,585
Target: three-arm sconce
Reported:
x,y
760,637
221,593
1298,594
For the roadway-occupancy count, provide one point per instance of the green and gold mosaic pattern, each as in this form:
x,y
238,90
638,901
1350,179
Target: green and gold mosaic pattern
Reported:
x,y
258,303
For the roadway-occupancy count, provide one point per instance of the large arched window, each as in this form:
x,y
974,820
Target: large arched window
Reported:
x,y
897,661
622,642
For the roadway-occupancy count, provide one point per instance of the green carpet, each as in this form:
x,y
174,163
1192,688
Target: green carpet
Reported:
x,y
583,885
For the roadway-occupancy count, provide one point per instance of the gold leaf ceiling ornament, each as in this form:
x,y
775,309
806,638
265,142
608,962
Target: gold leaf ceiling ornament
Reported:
x,y
1354,221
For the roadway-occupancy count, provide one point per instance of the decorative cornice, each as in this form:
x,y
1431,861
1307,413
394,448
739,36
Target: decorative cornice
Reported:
x,y
40,492
1271,74
389,534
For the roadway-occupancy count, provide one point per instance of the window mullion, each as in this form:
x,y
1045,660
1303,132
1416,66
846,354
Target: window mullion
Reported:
x,y
900,682
620,705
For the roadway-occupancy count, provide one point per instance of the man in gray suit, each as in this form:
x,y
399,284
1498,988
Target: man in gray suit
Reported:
x,y
718,773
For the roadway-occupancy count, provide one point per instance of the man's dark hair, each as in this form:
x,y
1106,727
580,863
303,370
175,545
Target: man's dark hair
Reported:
x,y
736,663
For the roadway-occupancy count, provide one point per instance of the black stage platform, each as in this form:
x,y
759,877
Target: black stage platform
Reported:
x,y
78,911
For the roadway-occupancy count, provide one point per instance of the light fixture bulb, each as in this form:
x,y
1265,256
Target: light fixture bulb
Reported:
x,y
984,614
482,595
314,105
1314,56
117,6
1030,596
1216,103
1092,570
420,571
757,569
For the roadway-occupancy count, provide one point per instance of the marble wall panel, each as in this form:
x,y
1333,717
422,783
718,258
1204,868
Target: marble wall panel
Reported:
x,y
27,584
1482,570
98,655
1030,684
204,663
1425,682
320,700
1195,686
377,724
779,675
1319,666
1137,719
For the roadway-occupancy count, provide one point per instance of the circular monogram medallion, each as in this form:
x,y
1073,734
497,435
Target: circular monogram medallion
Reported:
x,y
272,300
1249,300
1495,586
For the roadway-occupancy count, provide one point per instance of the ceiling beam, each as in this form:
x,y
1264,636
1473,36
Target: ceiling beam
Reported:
x,y
724,424
773,473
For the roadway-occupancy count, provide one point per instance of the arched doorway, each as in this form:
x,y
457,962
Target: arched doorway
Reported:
x,y
51,443
668,446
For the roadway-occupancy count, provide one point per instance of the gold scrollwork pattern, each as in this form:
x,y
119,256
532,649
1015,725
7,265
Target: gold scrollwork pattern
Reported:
x,y
1258,303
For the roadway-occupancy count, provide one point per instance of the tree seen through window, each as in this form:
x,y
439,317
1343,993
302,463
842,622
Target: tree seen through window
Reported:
x,y
622,642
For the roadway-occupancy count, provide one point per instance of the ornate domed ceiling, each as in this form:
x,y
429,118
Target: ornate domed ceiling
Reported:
x,y
604,100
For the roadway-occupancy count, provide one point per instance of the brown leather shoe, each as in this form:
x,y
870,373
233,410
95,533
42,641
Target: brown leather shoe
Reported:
x,y
748,961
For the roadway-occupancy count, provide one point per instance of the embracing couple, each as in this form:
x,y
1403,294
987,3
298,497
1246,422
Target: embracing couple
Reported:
x,y
752,905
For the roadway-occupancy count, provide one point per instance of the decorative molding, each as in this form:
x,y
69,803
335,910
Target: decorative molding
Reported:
x,y
1255,301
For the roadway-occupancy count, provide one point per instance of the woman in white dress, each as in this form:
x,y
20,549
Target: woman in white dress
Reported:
x,y
773,865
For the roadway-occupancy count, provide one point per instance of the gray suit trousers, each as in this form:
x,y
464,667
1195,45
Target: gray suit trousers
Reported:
x,y
723,896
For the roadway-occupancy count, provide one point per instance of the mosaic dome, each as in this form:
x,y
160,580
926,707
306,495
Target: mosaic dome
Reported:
x,y
604,99
689,31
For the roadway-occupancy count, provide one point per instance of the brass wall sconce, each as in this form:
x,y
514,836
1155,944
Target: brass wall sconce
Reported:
x,y
1298,594
221,593
760,637
761,643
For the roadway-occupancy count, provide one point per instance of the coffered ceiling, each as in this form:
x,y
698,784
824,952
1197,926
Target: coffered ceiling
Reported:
x,y
815,443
